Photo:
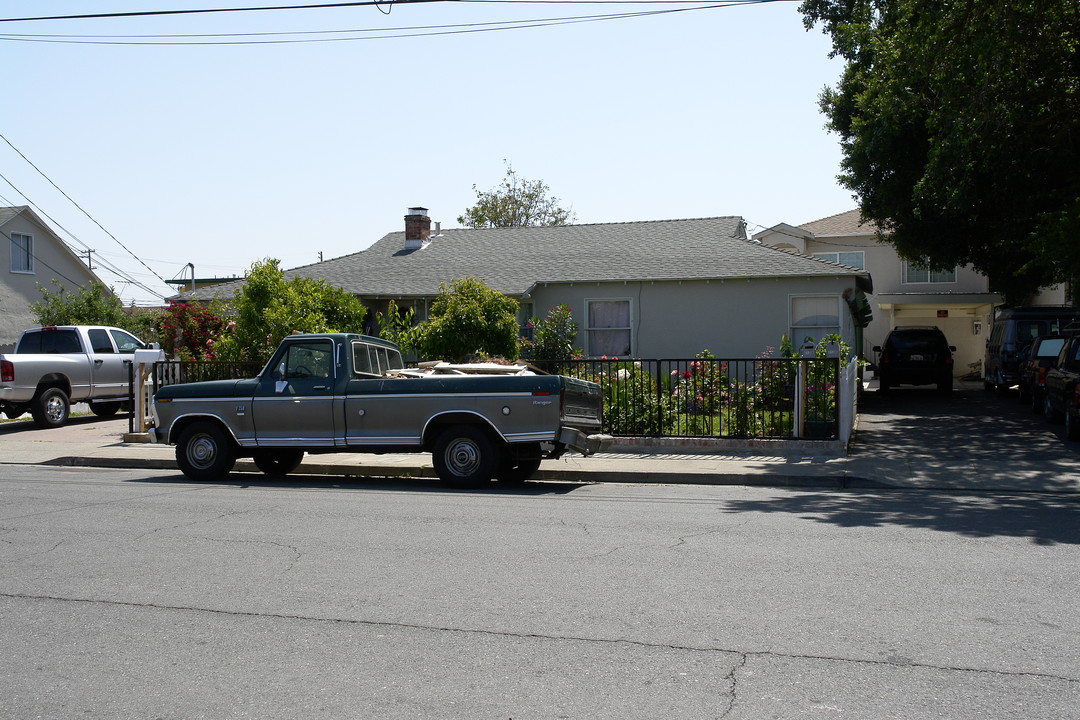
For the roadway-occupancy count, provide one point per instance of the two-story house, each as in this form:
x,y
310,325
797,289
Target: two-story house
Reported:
x,y
958,300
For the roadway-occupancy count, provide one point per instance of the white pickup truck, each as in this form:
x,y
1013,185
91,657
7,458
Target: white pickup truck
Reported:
x,y
53,367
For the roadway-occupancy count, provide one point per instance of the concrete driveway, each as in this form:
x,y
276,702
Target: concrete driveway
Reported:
x,y
971,439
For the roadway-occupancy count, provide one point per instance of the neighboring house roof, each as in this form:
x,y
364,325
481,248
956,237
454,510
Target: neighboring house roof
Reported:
x,y
845,223
9,213
6,213
513,260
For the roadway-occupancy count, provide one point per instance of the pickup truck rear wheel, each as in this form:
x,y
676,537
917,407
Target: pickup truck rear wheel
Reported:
x,y
465,457
105,409
278,463
205,451
51,408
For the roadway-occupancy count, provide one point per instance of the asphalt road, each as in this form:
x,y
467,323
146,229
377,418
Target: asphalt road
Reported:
x,y
135,594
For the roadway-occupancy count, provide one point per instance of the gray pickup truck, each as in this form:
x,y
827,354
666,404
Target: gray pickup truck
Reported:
x,y
337,393
53,367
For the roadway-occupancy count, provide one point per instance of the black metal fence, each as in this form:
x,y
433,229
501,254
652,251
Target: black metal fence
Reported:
x,y
712,397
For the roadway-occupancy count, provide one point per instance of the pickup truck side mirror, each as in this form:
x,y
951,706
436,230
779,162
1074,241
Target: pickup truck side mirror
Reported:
x,y
279,374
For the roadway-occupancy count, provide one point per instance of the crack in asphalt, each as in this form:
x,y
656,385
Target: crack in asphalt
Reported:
x,y
742,655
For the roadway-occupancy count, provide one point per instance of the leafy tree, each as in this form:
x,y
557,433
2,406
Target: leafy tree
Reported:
x,y
515,203
92,304
268,307
468,318
959,124
397,327
553,338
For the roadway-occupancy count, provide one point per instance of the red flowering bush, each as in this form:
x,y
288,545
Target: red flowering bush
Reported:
x,y
189,330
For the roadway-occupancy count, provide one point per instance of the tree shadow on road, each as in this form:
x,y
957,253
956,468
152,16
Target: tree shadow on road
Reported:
x,y
1044,518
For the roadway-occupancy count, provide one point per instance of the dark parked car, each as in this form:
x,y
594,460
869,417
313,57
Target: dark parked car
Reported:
x,y
1012,331
915,356
1060,401
1038,358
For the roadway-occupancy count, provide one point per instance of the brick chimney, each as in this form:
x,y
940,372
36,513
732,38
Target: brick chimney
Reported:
x,y
417,228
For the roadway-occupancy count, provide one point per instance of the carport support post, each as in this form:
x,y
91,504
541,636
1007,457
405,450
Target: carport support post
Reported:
x,y
808,350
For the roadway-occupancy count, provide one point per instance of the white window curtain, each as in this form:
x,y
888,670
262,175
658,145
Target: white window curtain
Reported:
x,y
815,317
609,328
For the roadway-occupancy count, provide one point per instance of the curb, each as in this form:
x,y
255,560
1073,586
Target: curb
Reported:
x,y
426,472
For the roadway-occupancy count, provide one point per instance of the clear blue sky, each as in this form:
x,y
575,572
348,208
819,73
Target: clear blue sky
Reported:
x,y
221,155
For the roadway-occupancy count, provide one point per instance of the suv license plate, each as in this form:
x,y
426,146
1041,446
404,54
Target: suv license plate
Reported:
x,y
916,358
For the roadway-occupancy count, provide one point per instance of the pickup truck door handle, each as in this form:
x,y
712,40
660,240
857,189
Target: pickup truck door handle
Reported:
x,y
98,362
319,387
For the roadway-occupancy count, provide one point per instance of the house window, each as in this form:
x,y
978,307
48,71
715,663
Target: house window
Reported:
x,y
525,324
22,253
814,316
608,328
855,259
920,272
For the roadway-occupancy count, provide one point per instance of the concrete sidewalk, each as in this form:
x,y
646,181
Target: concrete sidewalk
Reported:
x,y
970,441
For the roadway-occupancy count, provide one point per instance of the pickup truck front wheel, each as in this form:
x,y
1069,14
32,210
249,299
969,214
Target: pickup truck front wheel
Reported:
x,y
205,451
465,457
51,408
278,463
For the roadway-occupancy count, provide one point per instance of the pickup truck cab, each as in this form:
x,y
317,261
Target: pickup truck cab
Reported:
x,y
332,393
57,365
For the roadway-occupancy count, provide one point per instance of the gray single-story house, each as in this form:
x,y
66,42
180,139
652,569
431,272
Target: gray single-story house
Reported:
x,y
655,289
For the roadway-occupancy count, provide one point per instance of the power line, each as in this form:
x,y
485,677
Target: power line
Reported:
x,y
105,265
202,11
393,33
2,137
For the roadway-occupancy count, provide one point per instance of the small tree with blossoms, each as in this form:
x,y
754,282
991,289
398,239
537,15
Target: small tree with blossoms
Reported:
x,y
188,331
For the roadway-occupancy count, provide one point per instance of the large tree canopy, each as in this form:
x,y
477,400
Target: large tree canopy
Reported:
x,y
515,203
960,126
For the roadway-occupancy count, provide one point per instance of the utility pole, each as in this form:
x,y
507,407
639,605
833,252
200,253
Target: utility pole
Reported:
x,y
86,255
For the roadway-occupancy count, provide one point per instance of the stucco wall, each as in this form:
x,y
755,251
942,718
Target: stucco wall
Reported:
x,y
732,318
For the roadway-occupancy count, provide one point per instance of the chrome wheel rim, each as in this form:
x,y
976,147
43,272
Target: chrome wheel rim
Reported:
x,y
202,451
463,457
54,409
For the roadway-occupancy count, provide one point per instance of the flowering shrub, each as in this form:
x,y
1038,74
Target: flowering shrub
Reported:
x,y
188,331
821,380
700,392
632,403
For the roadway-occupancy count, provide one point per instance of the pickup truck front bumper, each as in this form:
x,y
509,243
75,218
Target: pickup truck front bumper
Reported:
x,y
584,444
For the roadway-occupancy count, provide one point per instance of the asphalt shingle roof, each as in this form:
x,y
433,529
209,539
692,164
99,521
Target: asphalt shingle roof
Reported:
x,y
846,223
512,260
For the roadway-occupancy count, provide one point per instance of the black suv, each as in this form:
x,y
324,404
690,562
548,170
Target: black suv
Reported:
x,y
915,356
